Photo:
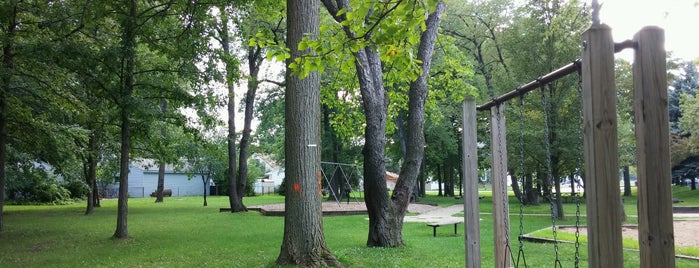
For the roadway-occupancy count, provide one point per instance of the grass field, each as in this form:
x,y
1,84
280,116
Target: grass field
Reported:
x,y
182,233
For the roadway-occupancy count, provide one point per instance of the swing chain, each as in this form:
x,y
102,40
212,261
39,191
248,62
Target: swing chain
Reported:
x,y
579,159
549,176
520,252
500,160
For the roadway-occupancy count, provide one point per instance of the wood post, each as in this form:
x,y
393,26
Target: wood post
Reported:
x,y
601,149
501,215
470,185
655,225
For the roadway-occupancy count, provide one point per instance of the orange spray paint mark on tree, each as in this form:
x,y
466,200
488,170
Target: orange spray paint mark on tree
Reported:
x,y
297,188
320,185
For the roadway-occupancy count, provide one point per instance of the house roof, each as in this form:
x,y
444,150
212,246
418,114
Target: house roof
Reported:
x,y
267,161
390,176
150,165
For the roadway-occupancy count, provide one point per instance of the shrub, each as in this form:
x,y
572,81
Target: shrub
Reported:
x,y
34,183
77,188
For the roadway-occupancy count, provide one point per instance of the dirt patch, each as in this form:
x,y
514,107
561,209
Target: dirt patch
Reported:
x,y
335,208
685,232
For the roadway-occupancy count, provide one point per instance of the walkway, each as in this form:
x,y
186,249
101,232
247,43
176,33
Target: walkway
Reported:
x,y
438,215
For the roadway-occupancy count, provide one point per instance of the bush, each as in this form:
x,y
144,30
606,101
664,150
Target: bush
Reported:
x,y
77,188
282,188
34,183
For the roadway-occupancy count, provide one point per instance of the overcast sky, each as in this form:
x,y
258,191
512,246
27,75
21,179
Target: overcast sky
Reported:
x,y
679,19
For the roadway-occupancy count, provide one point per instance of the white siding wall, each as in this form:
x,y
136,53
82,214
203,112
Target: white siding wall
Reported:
x,y
143,183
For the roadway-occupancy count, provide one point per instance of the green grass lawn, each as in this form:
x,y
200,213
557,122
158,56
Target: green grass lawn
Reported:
x,y
182,233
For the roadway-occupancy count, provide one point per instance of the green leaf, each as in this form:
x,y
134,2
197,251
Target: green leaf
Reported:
x,y
303,45
341,11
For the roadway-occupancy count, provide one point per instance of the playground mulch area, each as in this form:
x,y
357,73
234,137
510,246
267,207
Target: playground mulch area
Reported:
x,y
341,208
685,232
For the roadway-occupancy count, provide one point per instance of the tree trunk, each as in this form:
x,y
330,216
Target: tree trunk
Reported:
x,y
254,61
627,181
439,180
96,194
161,166
235,200
7,70
204,179
515,187
421,178
129,50
531,195
304,241
400,131
161,183
559,200
452,180
557,185
541,185
91,172
415,137
694,184
385,219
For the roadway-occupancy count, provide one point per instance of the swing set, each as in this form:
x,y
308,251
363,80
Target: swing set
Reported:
x,y
599,130
339,180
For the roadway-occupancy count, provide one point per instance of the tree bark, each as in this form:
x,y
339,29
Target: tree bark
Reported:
x,y
204,179
515,186
531,196
627,181
254,61
96,194
235,200
422,179
415,137
304,241
161,183
439,180
161,166
385,216
8,66
129,50
91,172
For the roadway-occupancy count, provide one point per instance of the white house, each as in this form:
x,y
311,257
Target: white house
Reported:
x,y
391,180
273,173
143,180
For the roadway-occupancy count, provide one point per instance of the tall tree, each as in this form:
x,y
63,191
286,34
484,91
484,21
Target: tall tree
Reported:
x,y
360,22
544,37
477,29
686,83
166,70
129,24
264,20
625,127
304,241
232,75
415,148
9,21
161,166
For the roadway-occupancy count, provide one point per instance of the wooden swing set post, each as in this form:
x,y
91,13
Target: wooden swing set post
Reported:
x,y
655,224
604,207
501,213
470,166
601,149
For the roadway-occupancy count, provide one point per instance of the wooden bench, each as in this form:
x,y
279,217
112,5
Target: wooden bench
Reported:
x,y
434,225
